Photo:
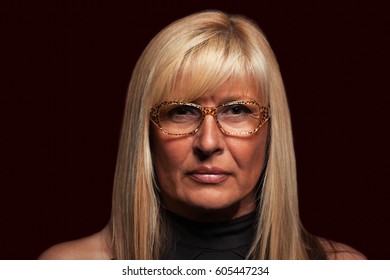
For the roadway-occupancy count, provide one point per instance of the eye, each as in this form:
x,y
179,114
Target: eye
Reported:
x,y
236,110
182,110
180,113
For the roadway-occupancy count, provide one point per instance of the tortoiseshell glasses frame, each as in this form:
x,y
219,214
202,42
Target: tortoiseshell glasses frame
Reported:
x,y
233,118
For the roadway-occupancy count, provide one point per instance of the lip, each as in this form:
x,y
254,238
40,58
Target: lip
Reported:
x,y
207,175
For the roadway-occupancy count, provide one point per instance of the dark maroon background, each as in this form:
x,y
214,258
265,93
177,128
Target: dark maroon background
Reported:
x,y
65,70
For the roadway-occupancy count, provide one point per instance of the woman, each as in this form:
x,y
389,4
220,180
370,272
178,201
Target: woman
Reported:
x,y
206,165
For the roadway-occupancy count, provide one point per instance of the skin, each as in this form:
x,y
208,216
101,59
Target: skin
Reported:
x,y
186,165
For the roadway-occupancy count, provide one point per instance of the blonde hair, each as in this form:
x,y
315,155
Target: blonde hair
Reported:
x,y
211,48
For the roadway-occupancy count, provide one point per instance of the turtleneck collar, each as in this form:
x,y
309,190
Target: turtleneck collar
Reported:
x,y
201,240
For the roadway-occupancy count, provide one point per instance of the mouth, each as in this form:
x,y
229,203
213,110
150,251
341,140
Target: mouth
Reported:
x,y
205,175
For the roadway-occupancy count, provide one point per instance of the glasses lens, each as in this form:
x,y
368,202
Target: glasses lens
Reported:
x,y
239,117
179,118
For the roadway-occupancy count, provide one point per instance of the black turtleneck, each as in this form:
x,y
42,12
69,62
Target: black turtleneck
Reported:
x,y
211,241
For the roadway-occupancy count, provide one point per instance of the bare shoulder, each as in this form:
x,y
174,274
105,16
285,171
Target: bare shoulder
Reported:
x,y
93,247
340,251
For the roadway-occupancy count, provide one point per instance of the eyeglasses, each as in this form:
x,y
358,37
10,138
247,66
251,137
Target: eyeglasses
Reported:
x,y
233,118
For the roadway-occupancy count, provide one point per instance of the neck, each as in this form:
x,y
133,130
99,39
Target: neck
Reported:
x,y
200,240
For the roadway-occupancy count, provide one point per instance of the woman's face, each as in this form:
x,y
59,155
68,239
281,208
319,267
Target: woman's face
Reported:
x,y
210,176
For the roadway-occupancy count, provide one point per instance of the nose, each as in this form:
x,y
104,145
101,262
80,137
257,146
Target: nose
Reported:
x,y
208,139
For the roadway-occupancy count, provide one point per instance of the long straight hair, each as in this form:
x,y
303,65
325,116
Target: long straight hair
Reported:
x,y
209,49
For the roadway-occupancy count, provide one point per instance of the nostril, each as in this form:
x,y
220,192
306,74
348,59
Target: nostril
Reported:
x,y
201,154
204,154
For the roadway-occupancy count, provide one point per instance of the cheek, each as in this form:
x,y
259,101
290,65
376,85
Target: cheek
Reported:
x,y
249,155
168,153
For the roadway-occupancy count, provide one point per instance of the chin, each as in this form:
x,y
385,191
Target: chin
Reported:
x,y
211,196
209,204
